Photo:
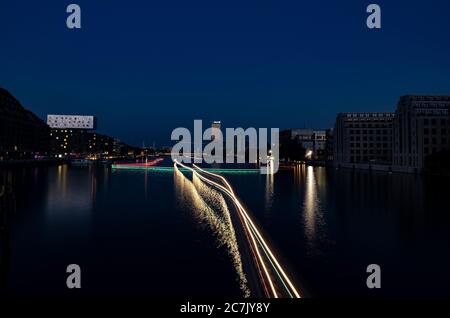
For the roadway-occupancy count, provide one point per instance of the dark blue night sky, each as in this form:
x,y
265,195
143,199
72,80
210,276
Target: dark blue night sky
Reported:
x,y
146,67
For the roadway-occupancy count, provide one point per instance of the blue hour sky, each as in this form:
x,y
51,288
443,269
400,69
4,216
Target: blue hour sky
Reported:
x,y
147,67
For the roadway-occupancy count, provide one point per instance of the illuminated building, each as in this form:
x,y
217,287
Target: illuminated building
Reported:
x,y
100,145
70,134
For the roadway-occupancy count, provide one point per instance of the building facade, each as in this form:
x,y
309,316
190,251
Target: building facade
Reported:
x,y
329,146
70,134
100,146
314,142
363,138
320,145
421,130
22,134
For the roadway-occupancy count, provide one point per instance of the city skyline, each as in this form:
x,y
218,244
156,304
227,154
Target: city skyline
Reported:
x,y
154,68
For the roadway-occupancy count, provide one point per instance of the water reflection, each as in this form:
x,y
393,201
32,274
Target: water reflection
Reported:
x,y
312,213
71,194
211,208
323,222
269,191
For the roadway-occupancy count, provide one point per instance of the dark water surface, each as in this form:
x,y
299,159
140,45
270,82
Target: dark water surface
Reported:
x,y
147,234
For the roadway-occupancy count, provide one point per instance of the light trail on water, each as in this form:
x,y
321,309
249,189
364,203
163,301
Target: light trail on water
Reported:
x,y
258,244
210,207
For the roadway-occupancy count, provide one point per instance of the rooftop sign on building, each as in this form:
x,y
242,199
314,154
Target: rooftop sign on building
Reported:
x,y
71,121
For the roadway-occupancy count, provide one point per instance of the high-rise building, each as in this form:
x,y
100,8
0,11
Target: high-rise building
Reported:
x,y
22,134
421,130
363,138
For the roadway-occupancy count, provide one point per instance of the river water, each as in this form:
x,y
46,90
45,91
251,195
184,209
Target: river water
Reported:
x,y
139,233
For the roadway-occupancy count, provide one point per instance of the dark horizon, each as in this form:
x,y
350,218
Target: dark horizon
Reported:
x,y
144,68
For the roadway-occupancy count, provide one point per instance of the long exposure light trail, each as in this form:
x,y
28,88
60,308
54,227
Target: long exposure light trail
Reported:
x,y
261,262
254,234
258,234
210,207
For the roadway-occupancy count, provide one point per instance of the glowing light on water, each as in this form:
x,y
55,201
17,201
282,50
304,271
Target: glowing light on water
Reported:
x,y
211,208
256,240
171,169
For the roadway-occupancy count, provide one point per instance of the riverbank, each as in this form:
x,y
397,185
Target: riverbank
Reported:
x,y
391,169
368,167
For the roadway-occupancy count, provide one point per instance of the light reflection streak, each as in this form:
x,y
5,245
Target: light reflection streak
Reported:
x,y
253,233
312,214
269,190
203,198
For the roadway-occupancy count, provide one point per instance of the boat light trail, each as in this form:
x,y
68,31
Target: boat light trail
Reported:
x,y
134,166
261,262
209,206
258,234
253,233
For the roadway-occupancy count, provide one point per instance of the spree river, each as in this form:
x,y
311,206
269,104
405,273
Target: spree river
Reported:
x,y
140,233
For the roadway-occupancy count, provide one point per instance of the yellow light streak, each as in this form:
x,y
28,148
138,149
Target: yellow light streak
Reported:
x,y
233,197
283,273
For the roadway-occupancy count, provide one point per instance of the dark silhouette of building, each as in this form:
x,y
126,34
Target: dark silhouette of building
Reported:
x,y
101,146
363,138
329,148
22,134
301,144
421,131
